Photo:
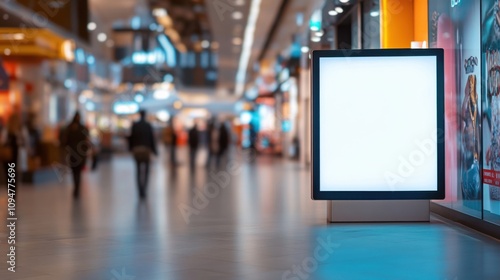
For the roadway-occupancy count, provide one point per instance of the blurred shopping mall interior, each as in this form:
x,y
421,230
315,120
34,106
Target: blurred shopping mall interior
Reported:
x,y
226,90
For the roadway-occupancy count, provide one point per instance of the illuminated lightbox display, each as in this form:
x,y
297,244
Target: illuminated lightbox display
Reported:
x,y
378,124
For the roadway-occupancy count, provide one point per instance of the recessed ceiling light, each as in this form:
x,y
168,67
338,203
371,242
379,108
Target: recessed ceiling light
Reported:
x,y
237,15
319,33
237,41
15,36
91,26
205,44
344,1
304,49
101,37
316,39
332,12
246,51
159,12
339,10
374,13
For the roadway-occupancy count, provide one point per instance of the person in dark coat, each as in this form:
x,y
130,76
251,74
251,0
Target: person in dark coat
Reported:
x,y
223,140
142,144
77,145
9,140
193,141
171,139
211,142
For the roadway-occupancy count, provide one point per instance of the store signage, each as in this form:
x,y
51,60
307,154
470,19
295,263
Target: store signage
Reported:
x,y
455,3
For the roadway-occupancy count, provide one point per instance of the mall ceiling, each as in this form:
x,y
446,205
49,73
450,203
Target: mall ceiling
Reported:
x,y
9,20
222,22
189,18
229,23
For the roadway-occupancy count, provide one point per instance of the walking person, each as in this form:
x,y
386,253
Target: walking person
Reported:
x,y
171,141
76,142
142,144
9,143
193,141
211,141
223,143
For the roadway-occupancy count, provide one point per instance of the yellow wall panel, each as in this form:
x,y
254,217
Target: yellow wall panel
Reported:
x,y
396,23
421,20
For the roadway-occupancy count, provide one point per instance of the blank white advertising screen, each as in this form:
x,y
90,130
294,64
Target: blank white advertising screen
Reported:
x,y
378,123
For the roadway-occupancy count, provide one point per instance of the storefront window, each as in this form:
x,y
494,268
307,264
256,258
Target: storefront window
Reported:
x,y
456,29
491,110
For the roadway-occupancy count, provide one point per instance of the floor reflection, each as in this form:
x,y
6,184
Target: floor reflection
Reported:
x,y
249,219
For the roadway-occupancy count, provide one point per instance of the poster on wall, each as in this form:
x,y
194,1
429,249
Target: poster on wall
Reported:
x,y
491,109
455,27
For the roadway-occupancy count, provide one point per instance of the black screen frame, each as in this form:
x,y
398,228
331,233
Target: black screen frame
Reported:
x,y
316,193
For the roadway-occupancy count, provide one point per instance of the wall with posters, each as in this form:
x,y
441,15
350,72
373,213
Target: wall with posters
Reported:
x,y
491,109
457,29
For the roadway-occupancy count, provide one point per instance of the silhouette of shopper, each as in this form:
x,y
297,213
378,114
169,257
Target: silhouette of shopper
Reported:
x,y
212,144
77,145
223,140
171,140
194,142
142,144
9,144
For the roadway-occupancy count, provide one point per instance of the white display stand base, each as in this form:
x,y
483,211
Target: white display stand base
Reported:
x,y
342,211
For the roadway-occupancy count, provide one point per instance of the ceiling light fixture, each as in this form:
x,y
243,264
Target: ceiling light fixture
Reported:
x,y
101,37
12,36
205,44
316,39
344,1
237,41
159,12
332,13
247,46
374,13
304,49
91,26
339,10
237,15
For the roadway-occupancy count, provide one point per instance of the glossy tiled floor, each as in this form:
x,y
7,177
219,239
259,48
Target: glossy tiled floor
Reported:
x,y
255,221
